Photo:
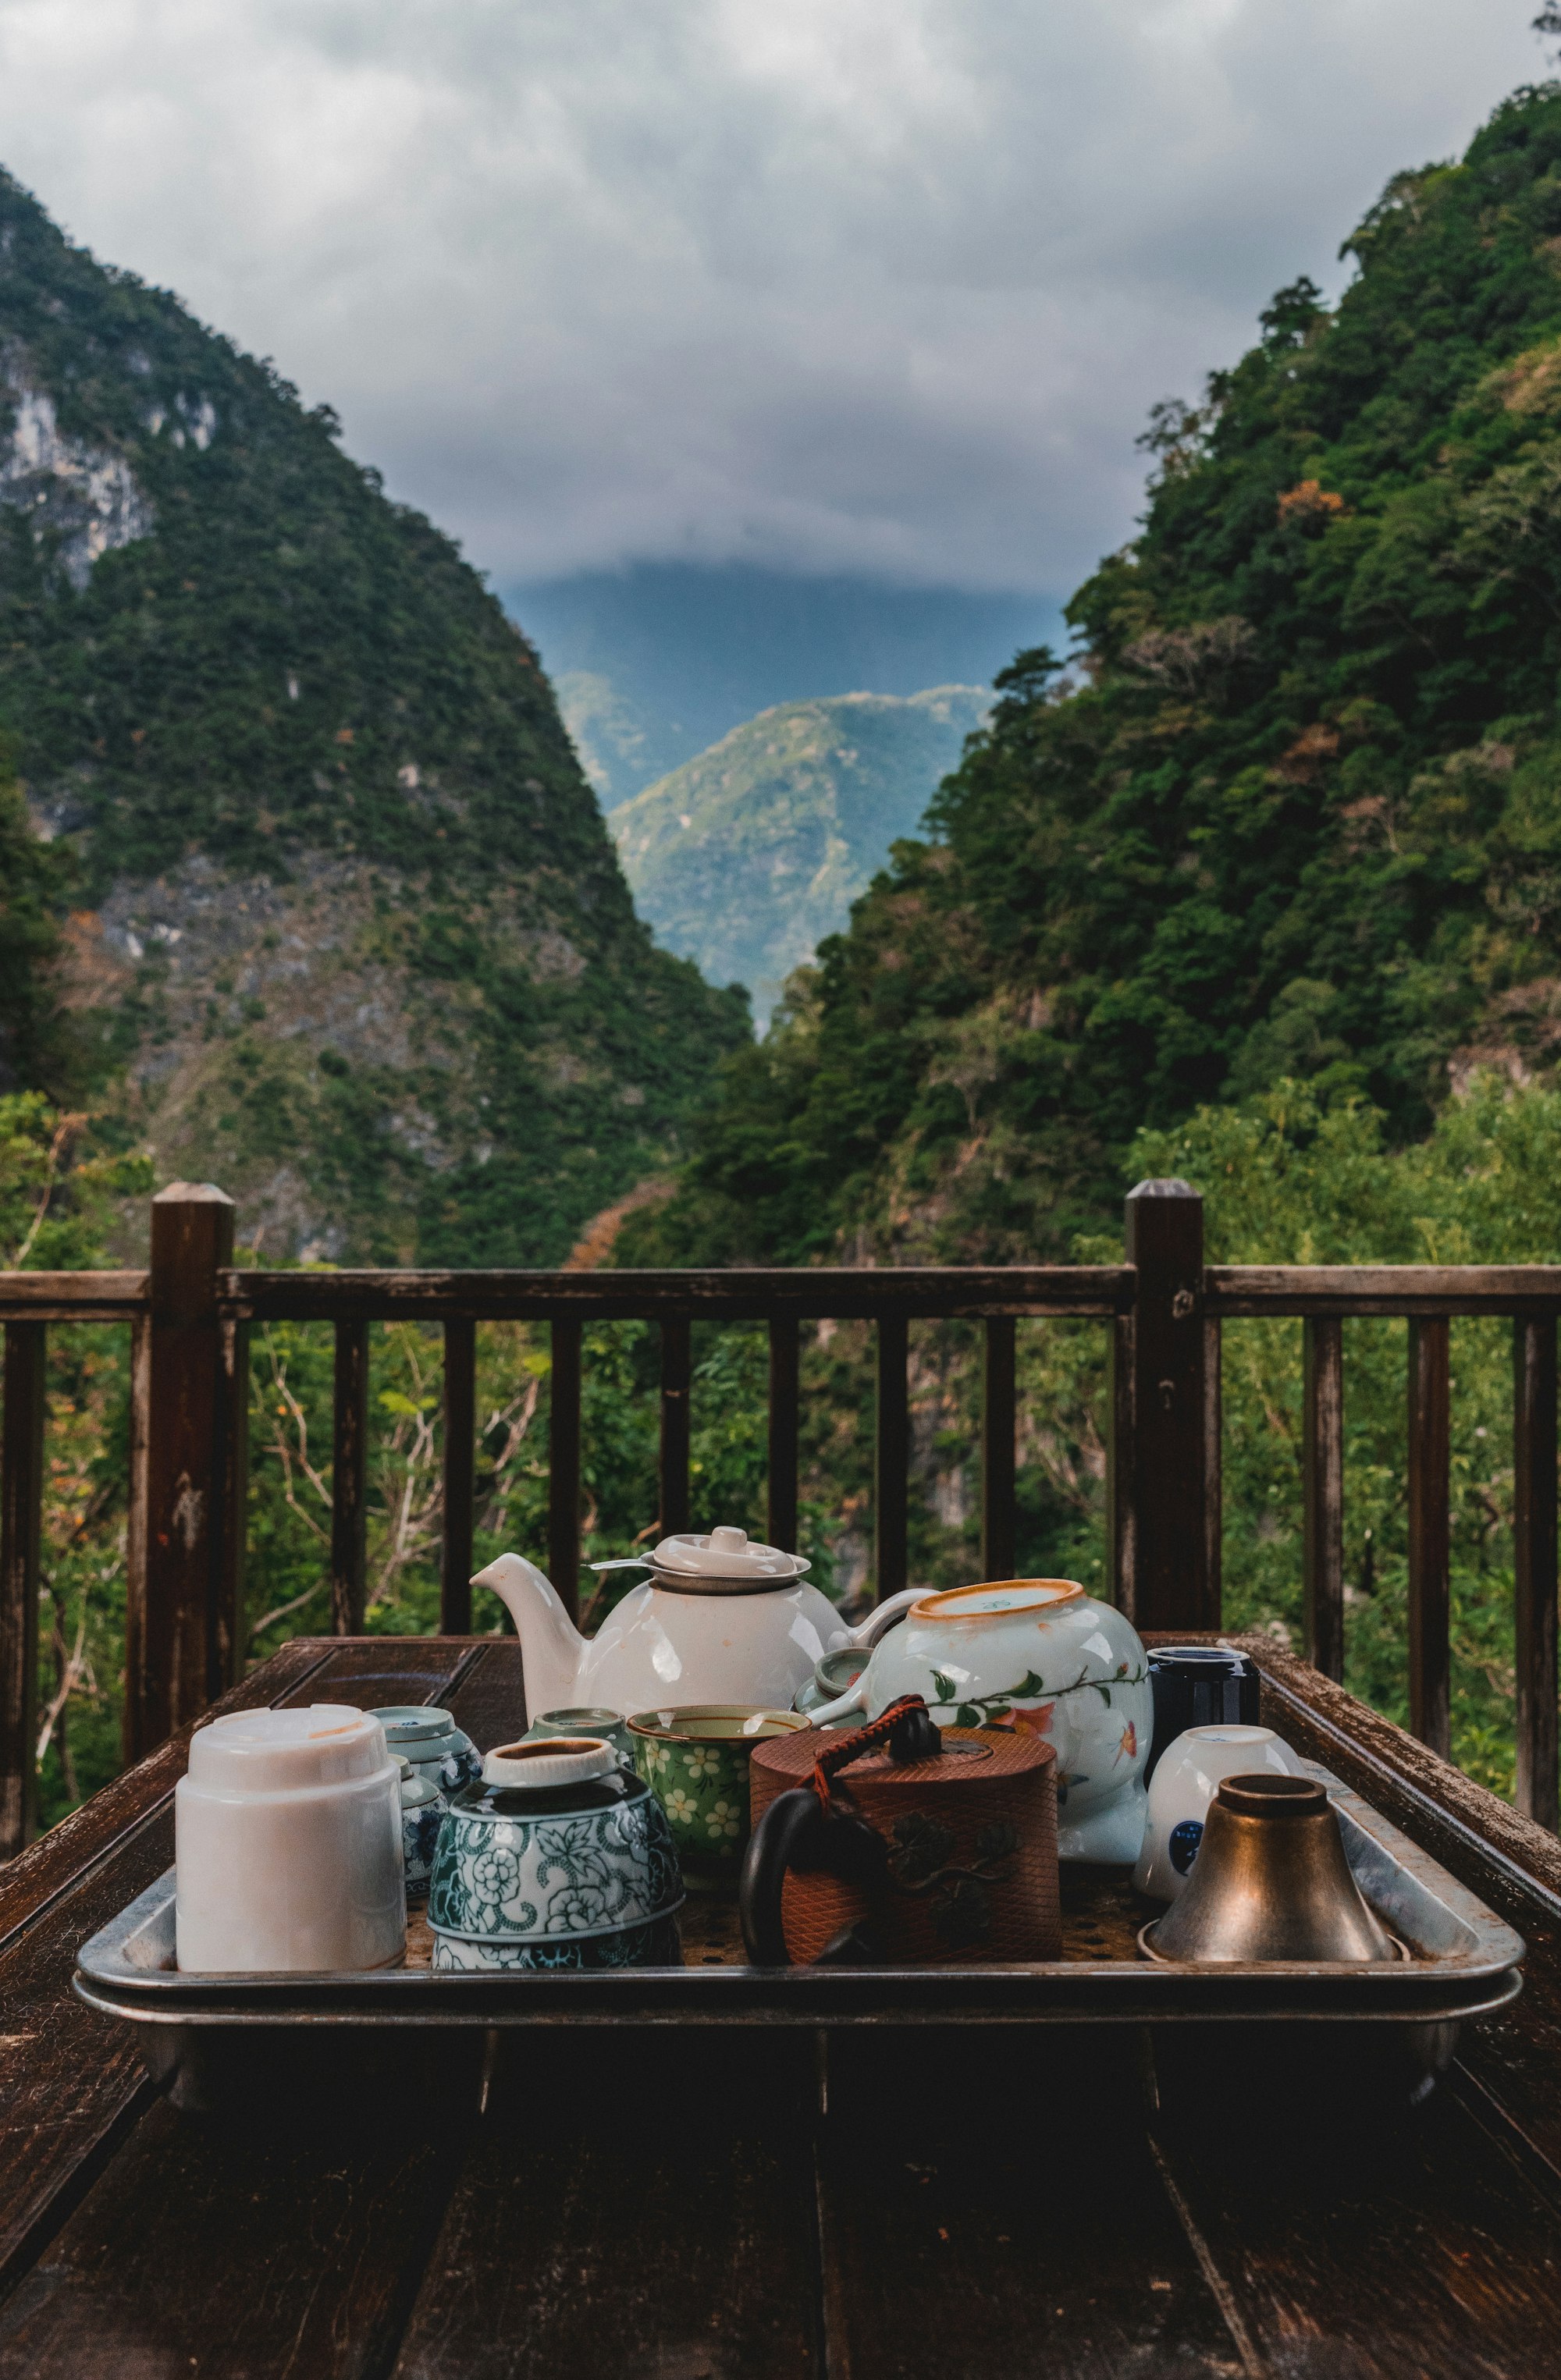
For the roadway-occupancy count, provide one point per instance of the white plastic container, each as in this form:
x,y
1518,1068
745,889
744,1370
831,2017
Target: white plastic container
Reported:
x,y
287,1844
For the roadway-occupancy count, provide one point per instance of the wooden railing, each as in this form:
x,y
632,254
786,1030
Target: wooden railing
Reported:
x,y
189,1317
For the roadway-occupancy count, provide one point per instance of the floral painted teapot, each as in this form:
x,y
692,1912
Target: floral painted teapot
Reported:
x,y
1034,1653
719,1620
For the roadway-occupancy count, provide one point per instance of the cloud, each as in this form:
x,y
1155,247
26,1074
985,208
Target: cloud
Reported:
x,y
882,287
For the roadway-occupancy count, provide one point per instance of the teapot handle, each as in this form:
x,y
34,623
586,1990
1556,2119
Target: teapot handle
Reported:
x,y
883,1616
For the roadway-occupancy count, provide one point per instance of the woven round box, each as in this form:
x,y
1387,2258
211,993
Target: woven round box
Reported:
x,y
972,1843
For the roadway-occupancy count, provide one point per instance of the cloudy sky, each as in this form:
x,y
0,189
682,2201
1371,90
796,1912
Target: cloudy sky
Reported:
x,y
875,286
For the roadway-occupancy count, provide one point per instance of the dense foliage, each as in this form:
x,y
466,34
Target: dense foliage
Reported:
x,y
227,659
1295,810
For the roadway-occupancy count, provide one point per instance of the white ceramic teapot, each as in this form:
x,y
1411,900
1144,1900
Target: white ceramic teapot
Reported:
x,y
718,1621
1035,1653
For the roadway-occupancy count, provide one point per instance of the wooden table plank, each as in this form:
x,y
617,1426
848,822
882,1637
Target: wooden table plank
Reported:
x,y
71,2082
634,2203
281,2244
1354,2240
989,2204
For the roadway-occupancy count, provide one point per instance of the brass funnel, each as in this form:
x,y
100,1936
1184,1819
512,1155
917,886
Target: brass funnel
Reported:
x,y
1269,1882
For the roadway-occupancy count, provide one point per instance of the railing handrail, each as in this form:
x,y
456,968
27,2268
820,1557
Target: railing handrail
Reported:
x,y
736,1292
1279,1290
73,1297
1164,1310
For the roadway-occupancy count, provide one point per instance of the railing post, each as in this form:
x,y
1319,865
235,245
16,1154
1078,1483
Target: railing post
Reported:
x,y
1429,1579
349,1477
181,1625
1323,1494
891,1489
997,1532
1159,1418
461,1465
1534,1562
20,1531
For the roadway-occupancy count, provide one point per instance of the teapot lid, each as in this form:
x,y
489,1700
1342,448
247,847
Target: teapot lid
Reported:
x,y
728,1553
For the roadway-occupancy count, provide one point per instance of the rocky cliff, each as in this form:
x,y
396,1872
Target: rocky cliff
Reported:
x,y
349,936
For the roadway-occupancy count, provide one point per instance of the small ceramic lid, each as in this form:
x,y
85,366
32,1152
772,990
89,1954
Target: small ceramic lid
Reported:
x,y
408,1725
287,1751
554,1760
728,1553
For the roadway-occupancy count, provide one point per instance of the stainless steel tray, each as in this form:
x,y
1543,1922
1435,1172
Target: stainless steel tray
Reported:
x,y
1464,1961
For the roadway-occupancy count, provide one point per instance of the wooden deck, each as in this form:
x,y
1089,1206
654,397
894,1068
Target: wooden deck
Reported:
x,y
750,2204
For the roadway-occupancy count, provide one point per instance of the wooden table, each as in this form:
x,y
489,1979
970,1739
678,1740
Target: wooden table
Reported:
x,y
750,2204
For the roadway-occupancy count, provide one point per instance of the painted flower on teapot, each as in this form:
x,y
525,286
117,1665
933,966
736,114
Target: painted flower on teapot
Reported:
x,y
1037,1654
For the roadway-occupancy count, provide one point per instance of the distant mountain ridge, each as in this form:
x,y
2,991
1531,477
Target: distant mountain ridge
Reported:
x,y
745,859
349,935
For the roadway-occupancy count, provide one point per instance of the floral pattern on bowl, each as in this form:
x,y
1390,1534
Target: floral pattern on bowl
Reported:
x,y
434,1745
653,1945
499,1875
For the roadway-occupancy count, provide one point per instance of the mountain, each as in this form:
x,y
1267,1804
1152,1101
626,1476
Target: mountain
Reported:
x,y
746,857
347,934
655,662
1295,812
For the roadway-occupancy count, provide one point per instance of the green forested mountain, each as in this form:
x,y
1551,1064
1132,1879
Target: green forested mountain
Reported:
x,y
346,912
1294,809
745,859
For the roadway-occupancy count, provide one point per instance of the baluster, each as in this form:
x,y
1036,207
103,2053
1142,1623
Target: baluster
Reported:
x,y
1534,1562
997,1450
1428,1715
564,1465
1214,1471
21,1501
893,1471
460,1457
676,1369
1323,1494
349,1479
785,1397
136,1530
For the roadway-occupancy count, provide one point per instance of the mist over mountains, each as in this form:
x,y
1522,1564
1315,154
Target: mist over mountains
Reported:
x,y
653,664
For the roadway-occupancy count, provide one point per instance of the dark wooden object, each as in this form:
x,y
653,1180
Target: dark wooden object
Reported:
x,y
1323,1487
1429,1584
181,1617
892,1476
21,1504
349,1477
1534,1562
997,1450
675,1422
460,1456
784,1398
834,2208
564,1462
1158,1486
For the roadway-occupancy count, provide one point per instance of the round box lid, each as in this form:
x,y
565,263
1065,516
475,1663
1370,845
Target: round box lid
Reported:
x,y
287,1751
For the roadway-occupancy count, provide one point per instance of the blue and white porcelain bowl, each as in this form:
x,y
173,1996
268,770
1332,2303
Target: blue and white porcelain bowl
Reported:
x,y
436,1748
423,1814
559,1858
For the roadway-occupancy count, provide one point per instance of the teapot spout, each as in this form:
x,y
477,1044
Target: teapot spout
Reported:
x,y
551,1647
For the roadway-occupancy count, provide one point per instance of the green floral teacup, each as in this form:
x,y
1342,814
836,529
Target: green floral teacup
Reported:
x,y
695,1761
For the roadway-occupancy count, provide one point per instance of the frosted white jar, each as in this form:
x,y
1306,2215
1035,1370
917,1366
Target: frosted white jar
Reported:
x,y
287,1844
